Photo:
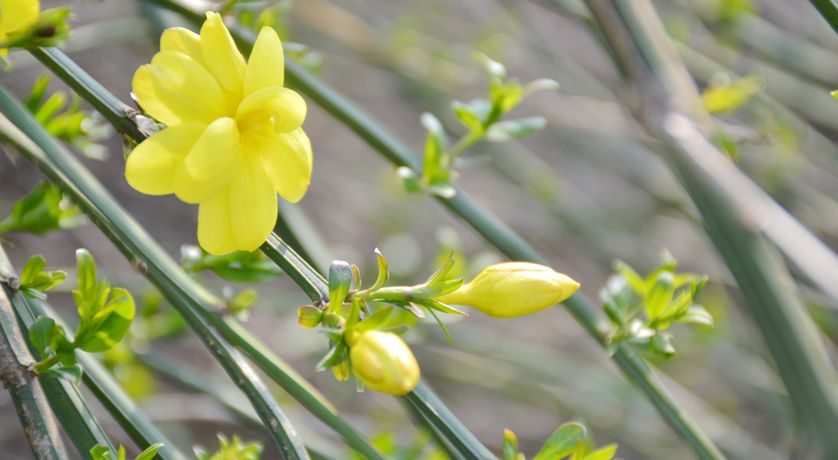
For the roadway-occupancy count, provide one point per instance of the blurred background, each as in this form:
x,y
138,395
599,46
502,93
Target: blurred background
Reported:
x,y
588,189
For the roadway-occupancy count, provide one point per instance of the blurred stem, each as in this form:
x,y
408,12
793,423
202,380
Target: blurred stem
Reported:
x,y
496,232
162,271
98,379
670,109
28,395
66,401
829,10
21,130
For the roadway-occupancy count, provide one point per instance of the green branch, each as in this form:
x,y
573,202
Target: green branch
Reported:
x,y
829,10
29,137
33,411
718,188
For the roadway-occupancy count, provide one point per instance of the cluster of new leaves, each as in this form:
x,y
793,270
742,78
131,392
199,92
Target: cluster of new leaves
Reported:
x,y
105,315
236,267
255,14
482,119
104,453
570,441
42,210
643,309
234,449
421,447
83,130
376,308
50,29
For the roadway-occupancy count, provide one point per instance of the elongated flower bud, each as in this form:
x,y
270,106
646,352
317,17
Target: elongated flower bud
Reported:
x,y
383,362
513,289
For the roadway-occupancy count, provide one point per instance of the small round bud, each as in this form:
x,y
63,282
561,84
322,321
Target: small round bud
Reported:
x,y
513,289
341,371
309,316
383,362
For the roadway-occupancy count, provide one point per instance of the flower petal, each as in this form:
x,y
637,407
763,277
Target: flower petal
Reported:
x,y
214,224
253,206
181,86
211,163
222,58
151,166
287,160
286,108
183,41
143,89
16,15
266,66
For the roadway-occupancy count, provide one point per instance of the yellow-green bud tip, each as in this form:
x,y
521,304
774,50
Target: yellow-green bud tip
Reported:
x,y
512,289
383,362
309,316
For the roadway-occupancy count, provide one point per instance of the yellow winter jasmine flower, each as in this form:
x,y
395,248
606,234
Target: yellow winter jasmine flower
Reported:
x,y
233,136
513,289
383,362
16,16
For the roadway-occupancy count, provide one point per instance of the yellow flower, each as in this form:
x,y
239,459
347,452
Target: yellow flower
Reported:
x,y
16,16
383,362
233,136
513,289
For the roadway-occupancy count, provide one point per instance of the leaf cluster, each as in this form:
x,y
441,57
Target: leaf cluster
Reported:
x,y
105,314
570,441
482,119
101,452
643,309
42,210
233,449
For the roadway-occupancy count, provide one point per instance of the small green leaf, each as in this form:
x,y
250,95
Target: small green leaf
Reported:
x,y
100,452
340,279
71,374
41,333
726,95
336,354
383,271
603,453
436,161
38,212
510,445
696,314
107,326
242,301
662,344
468,116
835,94
660,295
150,452
494,69
514,129
562,442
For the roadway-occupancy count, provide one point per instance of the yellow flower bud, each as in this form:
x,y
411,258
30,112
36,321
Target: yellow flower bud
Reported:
x,y
513,289
383,362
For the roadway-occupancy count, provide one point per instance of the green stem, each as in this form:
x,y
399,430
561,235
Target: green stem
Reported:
x,y
26,391
496,232
70,408
21,130
717,188
829,10
45,364
169,278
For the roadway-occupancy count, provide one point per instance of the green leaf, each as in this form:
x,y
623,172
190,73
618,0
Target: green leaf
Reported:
x,y
728,96
340,279
236,267
109,325
242,301
436,162
383,271
660,295
562,442
662,344
468,116
34,281
71,374
510,445
494,69
100,452
336,354
696,314
634,279
41,332
603,453
38,212
514,129
150,452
